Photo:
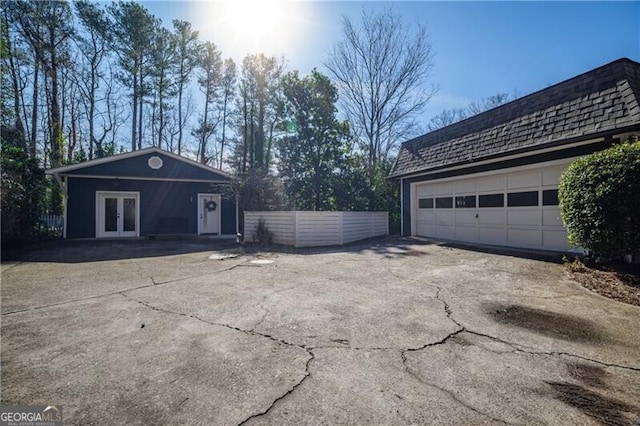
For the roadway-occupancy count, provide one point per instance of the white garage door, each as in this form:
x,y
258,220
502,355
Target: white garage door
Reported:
x,y
517,209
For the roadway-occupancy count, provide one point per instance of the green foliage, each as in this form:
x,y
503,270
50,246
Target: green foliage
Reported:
x,y
312,155
600,200
22,188
363,189
574,265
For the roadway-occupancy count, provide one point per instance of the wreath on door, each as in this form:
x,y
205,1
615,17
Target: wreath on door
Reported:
x,y
211,206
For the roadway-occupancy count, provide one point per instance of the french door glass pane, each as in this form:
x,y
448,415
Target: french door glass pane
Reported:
x,y
129,222
110,214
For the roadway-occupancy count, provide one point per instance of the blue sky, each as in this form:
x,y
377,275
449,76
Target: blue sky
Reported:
x,y
481,48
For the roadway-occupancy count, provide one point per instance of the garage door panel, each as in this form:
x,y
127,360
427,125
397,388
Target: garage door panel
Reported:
x,y
425,216
490,183
444,218
490,235
551,176
555,240
491,217
466,216
425,229
524,217
423,191
468,186
442,188
524,237
523,180
466,233
552,217
445,232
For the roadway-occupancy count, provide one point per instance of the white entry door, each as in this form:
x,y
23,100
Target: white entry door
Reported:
x,y
117,214
209,213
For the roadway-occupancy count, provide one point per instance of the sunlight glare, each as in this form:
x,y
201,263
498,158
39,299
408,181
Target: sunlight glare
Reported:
x,y
261,22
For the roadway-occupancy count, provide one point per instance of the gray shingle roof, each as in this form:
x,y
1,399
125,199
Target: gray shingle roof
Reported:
x,y
594,103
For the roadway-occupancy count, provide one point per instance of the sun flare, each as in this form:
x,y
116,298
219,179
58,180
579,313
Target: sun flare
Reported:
x,y
255,19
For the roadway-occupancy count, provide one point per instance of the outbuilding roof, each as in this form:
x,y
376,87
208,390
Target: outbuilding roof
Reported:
x,y
136,165
590,105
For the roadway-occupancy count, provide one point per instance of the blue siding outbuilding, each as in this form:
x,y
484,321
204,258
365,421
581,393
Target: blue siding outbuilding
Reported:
x,y
143,193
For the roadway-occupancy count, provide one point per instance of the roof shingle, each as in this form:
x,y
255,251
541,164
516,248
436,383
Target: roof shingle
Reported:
x,y
604,99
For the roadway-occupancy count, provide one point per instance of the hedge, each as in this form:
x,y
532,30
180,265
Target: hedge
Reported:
x,y
600,201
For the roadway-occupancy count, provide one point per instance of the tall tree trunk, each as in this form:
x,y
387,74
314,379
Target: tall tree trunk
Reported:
x,y
134,123
205,124
161,118
252,158
56,123
140,105
180,115
34,111
16,89
246,134
224,129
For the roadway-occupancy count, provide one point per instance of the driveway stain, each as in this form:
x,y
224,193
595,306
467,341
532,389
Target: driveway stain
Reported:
x,y
551,324
605,410
590,375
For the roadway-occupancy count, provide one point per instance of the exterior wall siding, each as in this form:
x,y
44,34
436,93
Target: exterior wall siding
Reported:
x,y
313,229
139,167
165,207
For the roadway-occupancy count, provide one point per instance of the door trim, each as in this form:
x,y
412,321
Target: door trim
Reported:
x,y
116,194
218,201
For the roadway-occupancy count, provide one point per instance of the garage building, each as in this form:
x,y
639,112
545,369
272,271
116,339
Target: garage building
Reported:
x,y
493,178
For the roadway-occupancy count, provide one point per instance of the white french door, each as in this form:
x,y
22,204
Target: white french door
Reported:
x,y
117,214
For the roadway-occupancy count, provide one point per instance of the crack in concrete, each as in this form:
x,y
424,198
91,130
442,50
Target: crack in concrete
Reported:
x,y
307,374
516,346
154,283
449,393
249,332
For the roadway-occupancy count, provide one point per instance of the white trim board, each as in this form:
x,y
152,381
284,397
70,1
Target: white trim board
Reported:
x,y
144,178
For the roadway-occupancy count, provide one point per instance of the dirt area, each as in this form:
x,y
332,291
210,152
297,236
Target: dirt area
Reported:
x,y
618,282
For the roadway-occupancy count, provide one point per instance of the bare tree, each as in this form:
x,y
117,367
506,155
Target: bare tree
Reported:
x,y
476,107
381,67
209,80
450,116
447,117
229,77
187,60
93,45
47,26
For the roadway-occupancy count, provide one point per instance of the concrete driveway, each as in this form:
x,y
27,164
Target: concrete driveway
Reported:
x,y
395,331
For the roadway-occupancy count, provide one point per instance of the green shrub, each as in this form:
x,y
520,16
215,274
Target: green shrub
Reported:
x,y
600,201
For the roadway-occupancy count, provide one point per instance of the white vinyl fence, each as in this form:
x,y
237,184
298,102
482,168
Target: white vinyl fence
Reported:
x,y
313,229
